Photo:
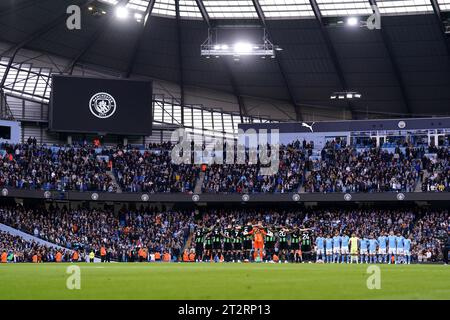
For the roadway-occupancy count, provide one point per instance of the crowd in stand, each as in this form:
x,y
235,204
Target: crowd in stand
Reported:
x,y
85,168
438,169
339,168
153,171
119,235
246,178
336,168
30,166
345,169
140,235
17,249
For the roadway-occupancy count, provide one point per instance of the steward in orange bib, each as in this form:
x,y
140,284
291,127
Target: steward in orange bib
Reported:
x,y
75,256
185,256
166,257
4,257
103,254
157,256
58,257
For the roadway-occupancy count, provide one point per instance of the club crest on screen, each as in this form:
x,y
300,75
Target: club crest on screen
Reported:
x,y
102,105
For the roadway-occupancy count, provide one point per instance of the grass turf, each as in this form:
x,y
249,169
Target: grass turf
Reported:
x,y
223,281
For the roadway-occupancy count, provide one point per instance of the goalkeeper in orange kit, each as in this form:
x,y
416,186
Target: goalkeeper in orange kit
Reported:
x,y
258,233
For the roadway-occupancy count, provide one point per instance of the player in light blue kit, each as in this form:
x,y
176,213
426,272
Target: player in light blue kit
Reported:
x,y
407,249
345,252
400,248
382,248
392,242
336,247
329,248
320,248
373,249
363,251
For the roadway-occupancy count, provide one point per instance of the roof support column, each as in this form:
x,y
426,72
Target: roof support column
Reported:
x,y
240,100
180,58
393,60
138,41
332,52
92,40
286,82
438,15
34,36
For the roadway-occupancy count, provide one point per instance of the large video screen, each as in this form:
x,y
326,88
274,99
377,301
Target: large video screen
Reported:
x,y
101,106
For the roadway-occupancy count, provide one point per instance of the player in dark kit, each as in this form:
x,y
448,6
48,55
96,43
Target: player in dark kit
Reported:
x,y
199,242
282,243
295,254
228,243
306,243
270,241
247,241
237,244
217,236
208,247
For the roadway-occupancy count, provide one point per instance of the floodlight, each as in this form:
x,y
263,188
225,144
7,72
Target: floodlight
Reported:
x,y
352,21
345,95
122,12
242,47
212,47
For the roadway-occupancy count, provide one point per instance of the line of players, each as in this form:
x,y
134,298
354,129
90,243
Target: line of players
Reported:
x,y
258,243
387,248
252,243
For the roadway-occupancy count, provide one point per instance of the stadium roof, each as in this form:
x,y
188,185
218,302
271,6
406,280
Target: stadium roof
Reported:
x,y
402,68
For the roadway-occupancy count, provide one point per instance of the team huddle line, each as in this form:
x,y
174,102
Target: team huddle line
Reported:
x,y
281,244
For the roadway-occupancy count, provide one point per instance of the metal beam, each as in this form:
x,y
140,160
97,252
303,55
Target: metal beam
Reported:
x,y
203,11
36,35
139,37
438,15
180,58
92,40
234,86
21,6
278,59
236,91
394,63
331,51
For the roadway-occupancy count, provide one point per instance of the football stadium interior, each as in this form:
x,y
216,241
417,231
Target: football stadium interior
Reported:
x,y
280,149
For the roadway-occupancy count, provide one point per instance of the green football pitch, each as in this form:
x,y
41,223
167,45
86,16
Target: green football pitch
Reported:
x,y
224,281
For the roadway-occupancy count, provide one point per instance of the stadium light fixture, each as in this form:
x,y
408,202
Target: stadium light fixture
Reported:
x,y
211,47
138,16
345,95
122,13
352,21
243,48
